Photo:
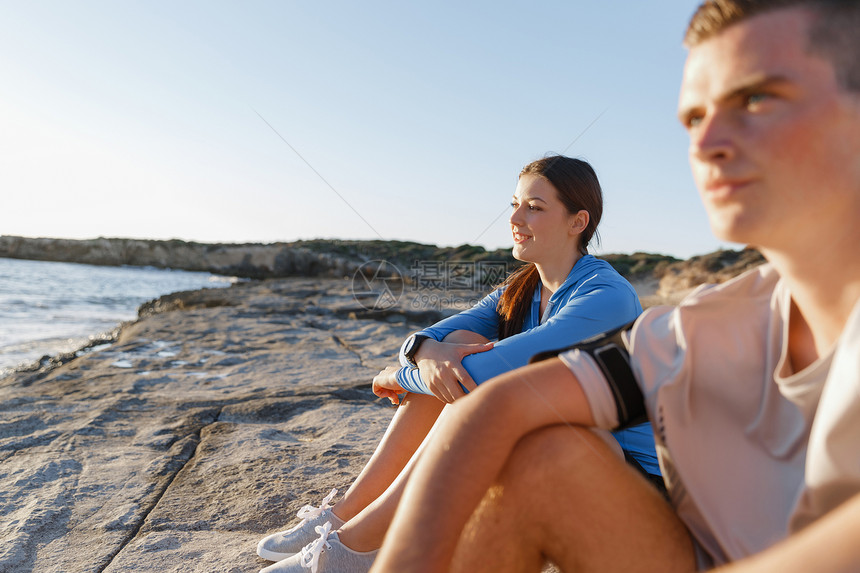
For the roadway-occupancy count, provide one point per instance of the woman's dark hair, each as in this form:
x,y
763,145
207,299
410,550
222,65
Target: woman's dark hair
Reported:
x,y
578,189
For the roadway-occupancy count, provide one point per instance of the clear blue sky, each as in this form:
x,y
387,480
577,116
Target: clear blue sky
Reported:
x,y
152,119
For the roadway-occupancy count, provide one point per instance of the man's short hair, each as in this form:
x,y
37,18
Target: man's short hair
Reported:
x,y
835,32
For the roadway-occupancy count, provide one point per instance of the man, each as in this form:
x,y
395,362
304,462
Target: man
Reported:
x,y
753,386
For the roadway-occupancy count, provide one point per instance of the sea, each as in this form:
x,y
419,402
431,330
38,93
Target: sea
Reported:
x,y
50,308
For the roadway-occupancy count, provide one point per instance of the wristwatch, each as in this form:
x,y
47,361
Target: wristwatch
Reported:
x,y
410,347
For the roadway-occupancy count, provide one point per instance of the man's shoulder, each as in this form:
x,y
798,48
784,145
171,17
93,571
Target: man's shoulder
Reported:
x,y
753,285
714,310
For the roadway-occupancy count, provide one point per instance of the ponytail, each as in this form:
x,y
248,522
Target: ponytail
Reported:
x,y
516,299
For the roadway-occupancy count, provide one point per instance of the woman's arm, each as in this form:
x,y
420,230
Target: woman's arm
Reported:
x,y
481,319
596,307
471,445
440,363
385,384
442,371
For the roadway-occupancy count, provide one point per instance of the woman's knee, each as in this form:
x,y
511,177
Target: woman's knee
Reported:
x,y
465,337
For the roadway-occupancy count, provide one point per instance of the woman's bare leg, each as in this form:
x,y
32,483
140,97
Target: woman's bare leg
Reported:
x,y
365,531
410,425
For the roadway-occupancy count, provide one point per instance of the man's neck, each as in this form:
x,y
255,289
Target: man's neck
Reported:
x,y
825,286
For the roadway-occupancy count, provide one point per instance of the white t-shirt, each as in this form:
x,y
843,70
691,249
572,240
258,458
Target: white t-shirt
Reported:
x,y
750,451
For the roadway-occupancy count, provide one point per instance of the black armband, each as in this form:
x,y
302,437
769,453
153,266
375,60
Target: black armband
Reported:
x,y
609,352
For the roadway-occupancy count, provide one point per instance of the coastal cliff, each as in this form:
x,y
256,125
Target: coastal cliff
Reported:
x,y
254,261
654,275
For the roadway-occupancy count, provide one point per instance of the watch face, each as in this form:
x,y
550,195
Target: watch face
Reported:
x,y
410,348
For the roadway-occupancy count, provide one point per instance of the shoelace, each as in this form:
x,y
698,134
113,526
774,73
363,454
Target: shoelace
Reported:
x,y
309,512
311,551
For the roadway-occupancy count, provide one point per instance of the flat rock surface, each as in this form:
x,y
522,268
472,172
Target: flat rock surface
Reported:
x,y
208,423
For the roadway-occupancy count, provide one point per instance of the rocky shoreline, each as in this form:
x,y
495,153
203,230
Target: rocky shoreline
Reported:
x,y
207,423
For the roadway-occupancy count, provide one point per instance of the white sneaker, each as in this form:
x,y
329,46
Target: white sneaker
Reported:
x,y
285,544
326,554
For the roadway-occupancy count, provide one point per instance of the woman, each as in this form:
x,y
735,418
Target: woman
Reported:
x,y
562,296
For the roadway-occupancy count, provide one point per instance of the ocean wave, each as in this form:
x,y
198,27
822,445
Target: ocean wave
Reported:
x,y
50,308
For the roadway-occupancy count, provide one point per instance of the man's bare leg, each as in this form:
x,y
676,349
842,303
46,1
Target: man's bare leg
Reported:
x,y
564,495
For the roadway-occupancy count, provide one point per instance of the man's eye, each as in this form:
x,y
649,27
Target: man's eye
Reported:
x,y
753,100
692,121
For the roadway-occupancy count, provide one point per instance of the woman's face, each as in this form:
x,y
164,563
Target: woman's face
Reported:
x,y
544,231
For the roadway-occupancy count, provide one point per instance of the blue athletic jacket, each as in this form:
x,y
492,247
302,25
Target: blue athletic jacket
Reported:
x,y
593,299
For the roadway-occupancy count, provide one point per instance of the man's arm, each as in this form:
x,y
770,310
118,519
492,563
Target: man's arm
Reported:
x,y
472,442
827,546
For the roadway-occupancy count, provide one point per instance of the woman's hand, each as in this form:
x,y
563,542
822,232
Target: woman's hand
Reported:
x,y
385,384
441,366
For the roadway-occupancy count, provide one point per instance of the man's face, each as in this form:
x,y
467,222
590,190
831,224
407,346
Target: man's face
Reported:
x,y
774,141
